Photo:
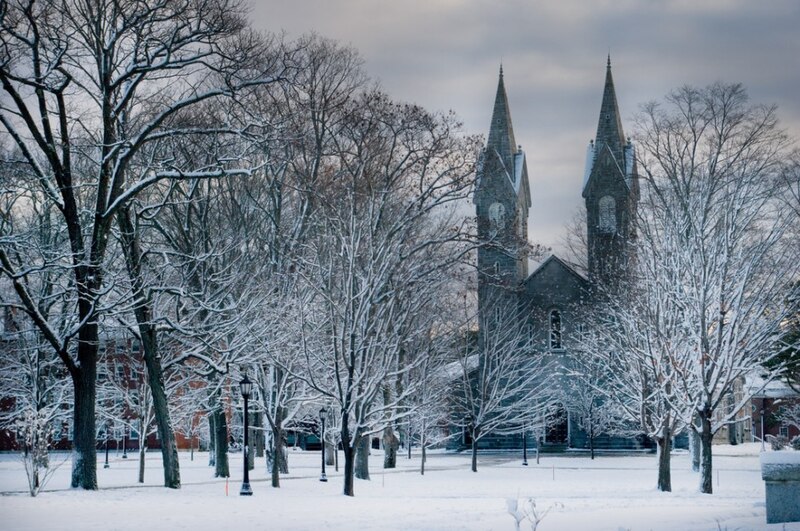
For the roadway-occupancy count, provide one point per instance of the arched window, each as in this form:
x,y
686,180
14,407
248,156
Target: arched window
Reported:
x,y
607,214
555,329
497,215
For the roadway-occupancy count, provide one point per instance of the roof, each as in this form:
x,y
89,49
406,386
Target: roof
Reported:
x,y
561,263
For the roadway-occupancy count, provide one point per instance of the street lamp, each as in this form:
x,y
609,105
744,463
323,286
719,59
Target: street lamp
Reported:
x,y
524,448
322,414
246,386
762,425
106,465
124,442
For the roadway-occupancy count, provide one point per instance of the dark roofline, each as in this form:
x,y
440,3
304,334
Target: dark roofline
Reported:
x,y
560,261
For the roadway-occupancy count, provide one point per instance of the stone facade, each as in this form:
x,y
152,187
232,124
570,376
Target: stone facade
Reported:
x,y
552,298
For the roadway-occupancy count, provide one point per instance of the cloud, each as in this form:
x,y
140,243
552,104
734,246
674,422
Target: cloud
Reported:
x,y
444,54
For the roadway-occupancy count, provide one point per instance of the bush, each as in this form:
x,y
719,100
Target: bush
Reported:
x,y
796,442
777,443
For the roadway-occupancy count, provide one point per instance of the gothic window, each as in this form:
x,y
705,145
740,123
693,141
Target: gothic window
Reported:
x,y
555,330
497,216
607,215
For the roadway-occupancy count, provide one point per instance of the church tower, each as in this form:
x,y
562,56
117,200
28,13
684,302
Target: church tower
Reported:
x,y
611,192
502,200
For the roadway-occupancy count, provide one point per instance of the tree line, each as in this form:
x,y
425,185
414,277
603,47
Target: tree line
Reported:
x,y
242,204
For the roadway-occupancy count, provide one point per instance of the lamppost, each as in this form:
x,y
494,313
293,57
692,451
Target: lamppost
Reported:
x,y
246,386
322,414
524,448
124,442
762,425
106,465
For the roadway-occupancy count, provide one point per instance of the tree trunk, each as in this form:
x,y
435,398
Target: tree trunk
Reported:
x,y
664,472
251,438
258,422
349,468
474,454
390,446
362,458
330,458
422,446
408,439
152,357
155,378
84,453
733,440
694,449
349,454
277,449
591,441
212,437
221,469
706,472
142,451
275,469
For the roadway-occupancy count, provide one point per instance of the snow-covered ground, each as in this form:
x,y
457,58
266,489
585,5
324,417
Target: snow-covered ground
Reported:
x,y
611,492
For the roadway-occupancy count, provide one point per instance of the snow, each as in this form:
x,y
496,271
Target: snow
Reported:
x,y
782,457
611,492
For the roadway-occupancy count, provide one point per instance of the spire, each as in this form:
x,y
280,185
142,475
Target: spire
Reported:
x,y
609,127
501,133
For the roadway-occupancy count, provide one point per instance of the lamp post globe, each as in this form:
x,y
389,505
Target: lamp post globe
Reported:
x,y
323,413
246,387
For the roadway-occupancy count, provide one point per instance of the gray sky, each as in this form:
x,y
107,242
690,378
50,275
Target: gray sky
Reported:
x,y
444,54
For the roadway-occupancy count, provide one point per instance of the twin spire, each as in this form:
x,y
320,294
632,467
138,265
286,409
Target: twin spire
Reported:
x,y
501,132
609,126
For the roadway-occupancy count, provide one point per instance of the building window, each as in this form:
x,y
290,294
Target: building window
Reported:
x,y
555,330
497,315
607,214
497,216
784,430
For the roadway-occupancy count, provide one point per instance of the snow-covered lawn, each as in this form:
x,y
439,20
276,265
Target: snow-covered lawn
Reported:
x,y
611,492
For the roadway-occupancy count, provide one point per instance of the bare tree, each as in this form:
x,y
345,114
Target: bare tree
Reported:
x,y
714,242
634,337
585,396
382,239
91,86
501,383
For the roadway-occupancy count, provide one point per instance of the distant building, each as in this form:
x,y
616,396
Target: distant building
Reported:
x,y
120,383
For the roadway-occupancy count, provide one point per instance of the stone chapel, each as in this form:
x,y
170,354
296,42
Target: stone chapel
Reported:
x,y
548,298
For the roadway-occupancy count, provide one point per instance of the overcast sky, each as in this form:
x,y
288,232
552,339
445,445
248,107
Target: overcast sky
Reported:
x,y
444,54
